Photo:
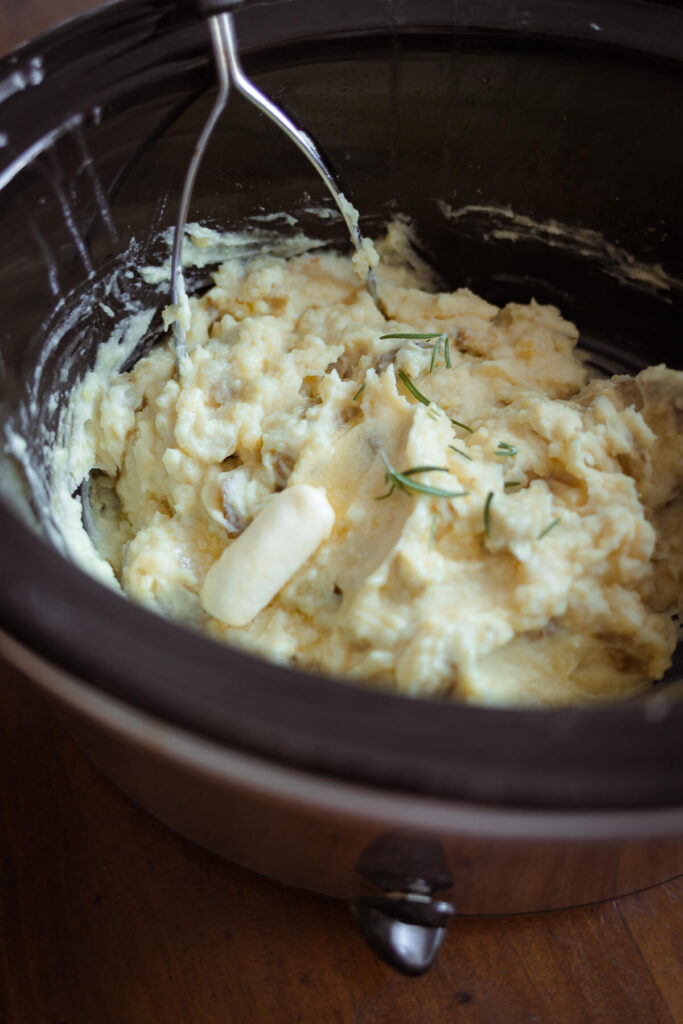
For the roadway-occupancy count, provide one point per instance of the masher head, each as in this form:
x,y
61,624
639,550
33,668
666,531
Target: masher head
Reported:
x,y
229,71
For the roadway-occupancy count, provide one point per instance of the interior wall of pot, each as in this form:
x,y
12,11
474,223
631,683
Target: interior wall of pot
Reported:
x,y
462,132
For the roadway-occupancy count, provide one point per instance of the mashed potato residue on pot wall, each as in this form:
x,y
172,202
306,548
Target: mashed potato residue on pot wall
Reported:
x,y
541,564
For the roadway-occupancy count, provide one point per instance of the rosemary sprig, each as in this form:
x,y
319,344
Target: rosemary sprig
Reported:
x,y
463,425
416,393
360,391
426,469
404,483
444,340
436,348
441,338
505,449
411,387
551,526
458,451
487,514
411,336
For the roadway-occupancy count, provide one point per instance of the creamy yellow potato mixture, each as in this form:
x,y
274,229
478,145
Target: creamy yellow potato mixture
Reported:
x,y
538,562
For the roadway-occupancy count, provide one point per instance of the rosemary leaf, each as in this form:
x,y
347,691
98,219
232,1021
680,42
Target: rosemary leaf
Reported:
x,y
459,452
360,391
487,514
411,387
416,393
410,336
404,482
426,469
441,338
436,492
512,483
551,526
463,425
435,352
505,449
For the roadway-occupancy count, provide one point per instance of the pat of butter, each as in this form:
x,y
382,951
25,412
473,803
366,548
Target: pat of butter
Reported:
x,y
252,570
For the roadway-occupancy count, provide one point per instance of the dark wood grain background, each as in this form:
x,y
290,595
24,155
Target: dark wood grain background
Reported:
x,y
106,917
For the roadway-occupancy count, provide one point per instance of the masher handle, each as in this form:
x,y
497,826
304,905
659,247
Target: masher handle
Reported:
x,y
211,7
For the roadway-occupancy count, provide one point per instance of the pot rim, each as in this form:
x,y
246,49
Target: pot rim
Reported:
x,y
334,798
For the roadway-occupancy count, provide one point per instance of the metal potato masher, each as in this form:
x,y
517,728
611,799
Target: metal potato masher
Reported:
x,y
219,16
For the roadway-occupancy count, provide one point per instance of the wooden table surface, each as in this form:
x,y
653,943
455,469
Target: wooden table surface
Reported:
x,y
107,917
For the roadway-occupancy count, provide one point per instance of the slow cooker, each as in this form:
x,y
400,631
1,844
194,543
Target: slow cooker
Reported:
x,y
537,148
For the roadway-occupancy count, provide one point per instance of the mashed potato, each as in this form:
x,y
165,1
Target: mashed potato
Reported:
x,y
499,529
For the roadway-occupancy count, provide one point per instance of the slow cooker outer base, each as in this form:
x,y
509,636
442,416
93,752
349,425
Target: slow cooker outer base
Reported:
x,y
345,840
